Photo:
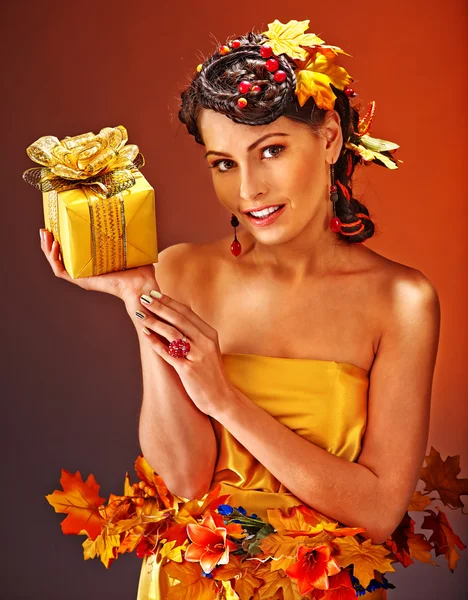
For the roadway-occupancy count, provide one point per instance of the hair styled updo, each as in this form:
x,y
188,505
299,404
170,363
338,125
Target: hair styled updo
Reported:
x,y
215,87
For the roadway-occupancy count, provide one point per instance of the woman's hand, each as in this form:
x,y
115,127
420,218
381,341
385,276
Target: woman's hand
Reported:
x,y
122,284
201,371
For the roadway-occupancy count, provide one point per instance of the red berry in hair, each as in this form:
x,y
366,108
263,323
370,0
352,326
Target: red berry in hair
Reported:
x,y
271,65
279,76
242,102
224,50
244,87
349,92
266,51
335,224
333,188
235,43
256,88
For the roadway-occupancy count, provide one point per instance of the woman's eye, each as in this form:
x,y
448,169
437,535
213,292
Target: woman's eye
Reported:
x,y
277,147
275,154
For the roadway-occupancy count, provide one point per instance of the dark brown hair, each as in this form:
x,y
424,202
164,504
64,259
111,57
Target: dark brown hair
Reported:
x,y
215,87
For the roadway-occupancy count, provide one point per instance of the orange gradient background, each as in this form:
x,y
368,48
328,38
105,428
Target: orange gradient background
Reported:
x,y
72,382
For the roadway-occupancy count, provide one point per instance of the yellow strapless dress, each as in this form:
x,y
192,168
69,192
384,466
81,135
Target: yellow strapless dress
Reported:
x,y
323,401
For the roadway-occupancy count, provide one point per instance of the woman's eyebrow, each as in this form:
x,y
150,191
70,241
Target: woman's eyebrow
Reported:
x,y
251,147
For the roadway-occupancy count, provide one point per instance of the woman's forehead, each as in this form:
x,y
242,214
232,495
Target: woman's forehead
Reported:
x,y
217,127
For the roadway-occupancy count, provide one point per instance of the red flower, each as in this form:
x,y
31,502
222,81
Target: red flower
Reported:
x,y
313,567
210,545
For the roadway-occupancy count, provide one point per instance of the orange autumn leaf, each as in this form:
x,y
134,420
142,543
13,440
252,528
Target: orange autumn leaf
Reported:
x,y
419,501
246,580
283,548
192,586
147,474
365,557
341,588
105,546
117,508
80,500
131,540
303,520
176,533
279,586
314,77
443,537
441,476
420,548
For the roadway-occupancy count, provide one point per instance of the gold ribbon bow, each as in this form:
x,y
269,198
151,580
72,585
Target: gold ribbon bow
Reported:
x,y
103,162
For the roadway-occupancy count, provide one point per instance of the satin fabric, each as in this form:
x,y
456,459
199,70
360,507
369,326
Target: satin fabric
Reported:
x,y
323,401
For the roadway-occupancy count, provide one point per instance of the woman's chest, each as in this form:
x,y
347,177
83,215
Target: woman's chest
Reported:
x,y
326,320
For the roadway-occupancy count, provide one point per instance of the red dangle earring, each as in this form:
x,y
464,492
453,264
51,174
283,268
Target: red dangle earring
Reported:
x,y
335,223
236,248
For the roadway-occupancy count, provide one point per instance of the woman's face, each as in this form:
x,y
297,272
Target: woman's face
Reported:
x,y
275,164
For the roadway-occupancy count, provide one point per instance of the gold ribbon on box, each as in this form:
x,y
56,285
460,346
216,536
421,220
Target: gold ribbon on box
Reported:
x,y
103,166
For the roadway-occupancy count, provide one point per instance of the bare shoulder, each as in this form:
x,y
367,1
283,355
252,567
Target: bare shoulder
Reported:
x,y
409,304
181,267
406,291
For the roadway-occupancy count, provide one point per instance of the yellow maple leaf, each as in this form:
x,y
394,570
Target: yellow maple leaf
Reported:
x,y
314,79
365,557
228,592
167,550
105,546
288,38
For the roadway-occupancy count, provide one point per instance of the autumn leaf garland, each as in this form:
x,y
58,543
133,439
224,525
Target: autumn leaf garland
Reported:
x,y
215,550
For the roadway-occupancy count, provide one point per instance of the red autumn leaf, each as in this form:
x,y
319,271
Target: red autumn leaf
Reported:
x,y
442,477
80,500
398,541
443,537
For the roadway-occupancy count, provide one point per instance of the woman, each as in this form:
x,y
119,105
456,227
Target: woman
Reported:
x,y
305,370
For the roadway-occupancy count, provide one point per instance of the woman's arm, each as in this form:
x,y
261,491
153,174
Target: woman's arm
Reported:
x,y
375,491
176,438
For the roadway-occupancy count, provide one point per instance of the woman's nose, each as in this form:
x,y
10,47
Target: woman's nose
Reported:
x,y
252,185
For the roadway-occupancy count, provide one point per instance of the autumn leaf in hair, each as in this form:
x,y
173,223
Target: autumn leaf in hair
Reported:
x,y
288,38
315,76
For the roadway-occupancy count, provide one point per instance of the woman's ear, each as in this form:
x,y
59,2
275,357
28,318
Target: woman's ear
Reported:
x,y
331,130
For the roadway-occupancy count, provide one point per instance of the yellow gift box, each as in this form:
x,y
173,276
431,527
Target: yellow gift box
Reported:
x,y
97,204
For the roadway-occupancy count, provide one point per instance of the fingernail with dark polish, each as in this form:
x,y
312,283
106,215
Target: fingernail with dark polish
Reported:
x,y
140,315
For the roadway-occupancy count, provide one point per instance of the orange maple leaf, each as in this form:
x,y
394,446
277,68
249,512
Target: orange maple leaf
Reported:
x,y
246,581
276,581
420,548
192,586
147,474
80,500
443,537
366,558
442,477
419,501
